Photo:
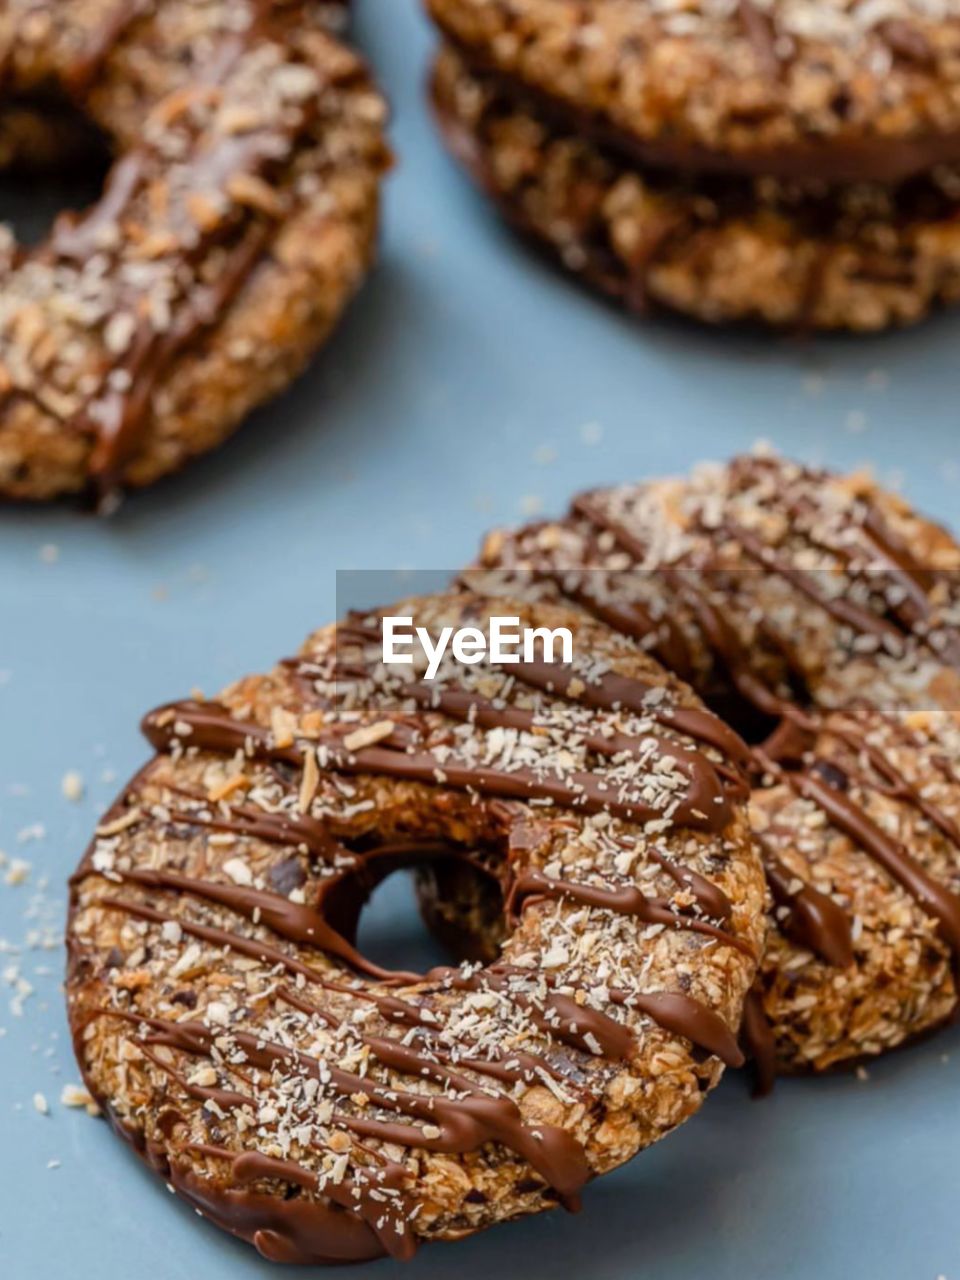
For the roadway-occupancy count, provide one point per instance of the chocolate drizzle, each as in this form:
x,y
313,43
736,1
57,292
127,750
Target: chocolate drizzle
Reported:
x,y
897,608
289,920
626,900
305,1231
119,417
819,920
612,691
119,414
465,1121
852,820
188,213
722,637
813,919
867,157
212,728
305,933
82,74
759,1043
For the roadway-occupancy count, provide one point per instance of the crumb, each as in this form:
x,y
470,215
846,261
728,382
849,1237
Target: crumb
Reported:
x,y
856,421
591,433
863,1074
40,1104
18,872
53,1164
531,504
877,380
49,553
72,786
74,1095
544,454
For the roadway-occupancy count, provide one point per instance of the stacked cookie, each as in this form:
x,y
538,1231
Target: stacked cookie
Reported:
x,y
592,835
788,161
821,616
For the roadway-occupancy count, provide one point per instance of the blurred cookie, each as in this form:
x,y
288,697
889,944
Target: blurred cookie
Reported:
x,y
821,616
236,223
822,90
716,247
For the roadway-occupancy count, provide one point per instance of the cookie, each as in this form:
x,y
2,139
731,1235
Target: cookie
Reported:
x,y
819,614
717,248
823,90
237,222
328,1110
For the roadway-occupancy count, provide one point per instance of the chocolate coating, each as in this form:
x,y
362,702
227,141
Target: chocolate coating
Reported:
x,y
325,1108
823,615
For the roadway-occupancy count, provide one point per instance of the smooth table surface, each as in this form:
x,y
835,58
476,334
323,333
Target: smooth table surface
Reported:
x,y
470,385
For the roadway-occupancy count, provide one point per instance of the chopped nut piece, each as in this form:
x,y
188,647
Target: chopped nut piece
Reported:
x,y
75,1095
238,871
368,735
310,782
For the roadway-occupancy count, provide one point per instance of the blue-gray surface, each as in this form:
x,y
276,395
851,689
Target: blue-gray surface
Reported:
x,y
469,385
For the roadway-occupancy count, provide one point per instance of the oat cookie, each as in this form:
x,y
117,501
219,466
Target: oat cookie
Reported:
x,y
821,616
238,220
328,1110
719,248
793,162
830,90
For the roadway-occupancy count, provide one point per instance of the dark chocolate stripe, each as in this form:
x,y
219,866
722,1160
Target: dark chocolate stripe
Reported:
x,y
214,729
626,900
893,856
292,921
723,639
813,918
465,1123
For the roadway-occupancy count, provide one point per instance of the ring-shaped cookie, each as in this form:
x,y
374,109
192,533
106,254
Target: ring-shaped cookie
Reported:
x,y
236,223
821,615
327,1109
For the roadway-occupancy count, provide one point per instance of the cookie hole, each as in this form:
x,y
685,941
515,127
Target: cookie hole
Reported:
x,y
417,909
52,161
752,725
461,902
392,932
